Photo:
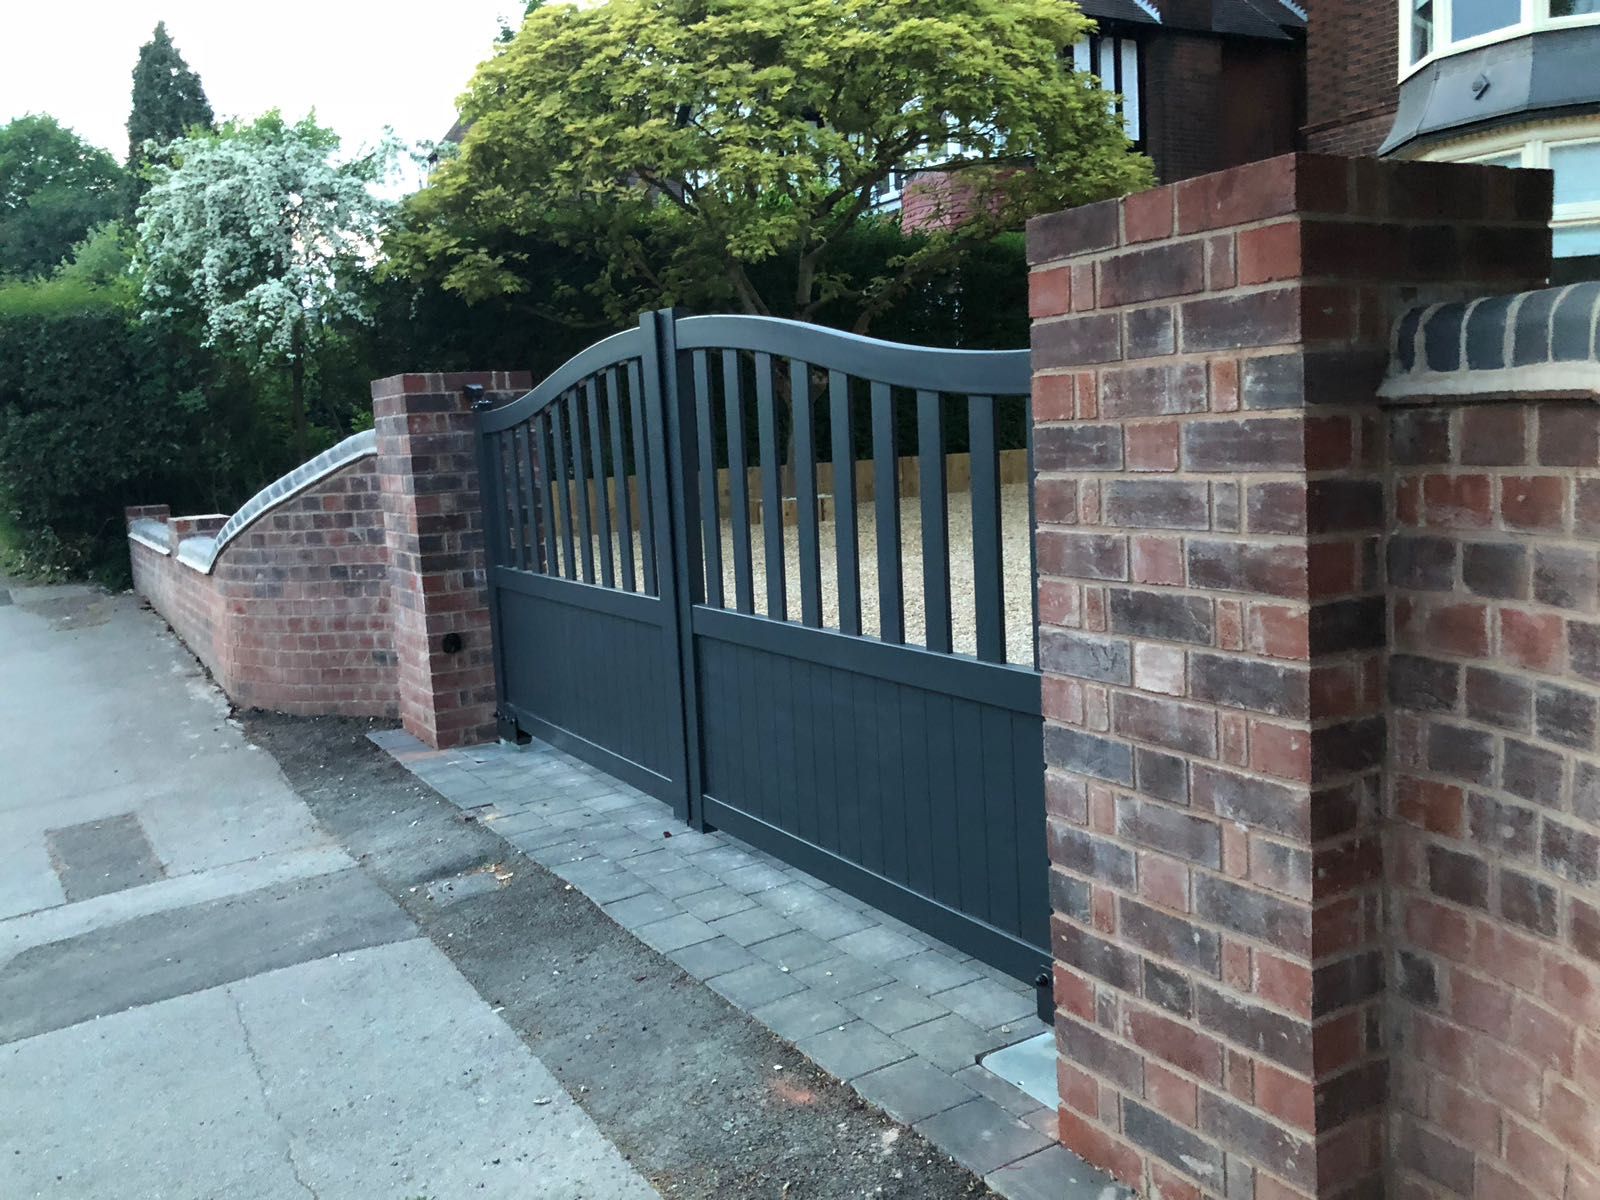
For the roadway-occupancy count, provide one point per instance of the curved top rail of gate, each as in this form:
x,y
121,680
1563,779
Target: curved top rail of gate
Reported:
x,y
582,366
967,372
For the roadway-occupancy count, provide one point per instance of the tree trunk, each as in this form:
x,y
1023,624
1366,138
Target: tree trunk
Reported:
x,y
297,389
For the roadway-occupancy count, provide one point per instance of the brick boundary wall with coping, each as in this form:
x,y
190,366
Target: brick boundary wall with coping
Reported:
x,y
1211,511
363,593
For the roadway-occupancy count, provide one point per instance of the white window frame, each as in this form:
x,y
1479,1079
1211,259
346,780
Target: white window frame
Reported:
x,y
1533,144
1535,17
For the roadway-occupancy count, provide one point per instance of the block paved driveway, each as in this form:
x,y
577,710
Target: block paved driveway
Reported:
x,y
896,1013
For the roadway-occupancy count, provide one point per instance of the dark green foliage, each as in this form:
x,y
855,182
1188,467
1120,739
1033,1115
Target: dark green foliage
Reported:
x,y
168,102
54,188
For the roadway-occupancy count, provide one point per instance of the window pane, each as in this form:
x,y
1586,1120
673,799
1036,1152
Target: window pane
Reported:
x,y
1569,241
1577,168
1469,18
1574,8
1421,28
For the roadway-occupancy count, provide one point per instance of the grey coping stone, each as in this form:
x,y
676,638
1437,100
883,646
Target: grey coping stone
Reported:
x,y
842,976
685,881
675,932
635,912
718,902
1007,1095
879,945
852,1050
708,959
755,924
356,446
753,986
894,1007
154,534
950,1042
1054,1173
801,1015
794,949
989,1003
912,1090
933,971
982,1135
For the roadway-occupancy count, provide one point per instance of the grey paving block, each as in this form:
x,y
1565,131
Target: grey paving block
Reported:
x,y
894,1007
607,889
652,863
718,902
675,932
751,987
790,899
754,924
950,1042
843,976
981,1135
685,881
985,1002
932,971
708,959
794,950
829,919
1054,1173
878,945
553,855
801,1015
912,1090
1007,1095
623,846
758,877
852,1050
722,860
635,912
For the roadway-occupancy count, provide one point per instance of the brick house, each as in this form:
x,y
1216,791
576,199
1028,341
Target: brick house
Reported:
x,y
1499,82
1204,85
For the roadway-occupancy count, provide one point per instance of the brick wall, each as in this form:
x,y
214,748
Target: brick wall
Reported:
x,y
1494,791
294,616
1352,79
1210,489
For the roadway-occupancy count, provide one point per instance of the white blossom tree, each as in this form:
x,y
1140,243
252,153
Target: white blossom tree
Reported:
x,y
258,233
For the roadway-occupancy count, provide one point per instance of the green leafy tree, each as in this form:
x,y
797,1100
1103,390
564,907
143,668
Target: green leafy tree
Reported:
x,y
260,234
687,146
54,188
168,102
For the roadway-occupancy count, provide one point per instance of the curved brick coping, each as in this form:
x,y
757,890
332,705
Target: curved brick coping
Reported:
x,y
1531,344
201,552
150,532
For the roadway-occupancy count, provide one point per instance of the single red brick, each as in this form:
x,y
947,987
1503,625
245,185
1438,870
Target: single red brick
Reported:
x,y
1436,807
1283,982
1147,216
1532,501
1270,253
1151,447
1097,1146
1533,640
1289,1098
1157,560
1171,1094
1224,385
1459,501
1050,292
1280,750
1053,398
1233,735
1163,881
1079,1090
1280,631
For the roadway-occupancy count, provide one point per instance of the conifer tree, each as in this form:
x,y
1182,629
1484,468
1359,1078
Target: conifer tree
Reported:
x,y
168,102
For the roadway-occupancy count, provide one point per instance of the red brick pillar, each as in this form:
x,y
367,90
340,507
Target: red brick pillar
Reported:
x,y
433,522
1211,507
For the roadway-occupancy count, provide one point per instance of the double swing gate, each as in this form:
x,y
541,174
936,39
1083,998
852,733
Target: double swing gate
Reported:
x,y
719,571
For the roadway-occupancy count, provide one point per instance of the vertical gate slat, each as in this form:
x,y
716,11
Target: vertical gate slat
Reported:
x,y
647,546
771,492
886,502
580,484
805,491
935,523
516,532
602,502
988,582
738,483
538,436
563,484
844,502
710,511
530,498
619,480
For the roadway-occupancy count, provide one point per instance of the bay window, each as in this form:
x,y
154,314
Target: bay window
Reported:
x,y
1432,28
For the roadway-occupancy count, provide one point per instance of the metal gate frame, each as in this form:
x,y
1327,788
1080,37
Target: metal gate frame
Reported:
x,y
613,665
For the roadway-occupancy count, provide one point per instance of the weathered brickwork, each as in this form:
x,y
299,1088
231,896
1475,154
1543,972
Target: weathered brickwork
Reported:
x,y
295,615
1494,798
427,464
1352,76
1211,483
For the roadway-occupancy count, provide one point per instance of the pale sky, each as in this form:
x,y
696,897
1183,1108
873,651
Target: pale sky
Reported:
x,y
362,64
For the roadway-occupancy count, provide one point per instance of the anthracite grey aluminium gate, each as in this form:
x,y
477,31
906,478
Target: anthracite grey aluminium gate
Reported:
x,y
723,646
